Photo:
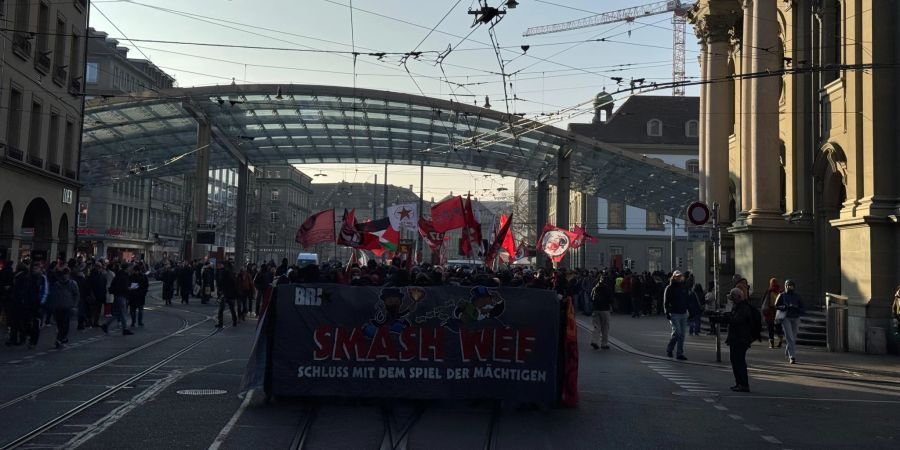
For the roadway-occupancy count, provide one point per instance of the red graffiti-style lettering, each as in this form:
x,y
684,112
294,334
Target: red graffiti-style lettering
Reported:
x,y
475,344
347,339
324,340
383,346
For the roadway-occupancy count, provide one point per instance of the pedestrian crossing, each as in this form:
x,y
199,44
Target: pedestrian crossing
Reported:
x,y
675,374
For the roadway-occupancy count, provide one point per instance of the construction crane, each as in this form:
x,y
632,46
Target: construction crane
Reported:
x,y
679,22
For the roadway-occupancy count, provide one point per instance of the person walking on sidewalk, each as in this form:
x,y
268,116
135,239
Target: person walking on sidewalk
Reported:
x,y
601,298
168,284
744,327
695,309
790,307
768,312
185,282
675,299
64,296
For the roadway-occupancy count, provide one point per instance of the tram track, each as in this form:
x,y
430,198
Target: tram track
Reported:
x,y
109,391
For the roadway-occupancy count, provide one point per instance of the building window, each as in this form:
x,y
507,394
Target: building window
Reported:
x,y
689,255
14,121
654,258
53,139
34,129
59,49
692,166
273,216
654,127
272,237
70,146
616,214
274,195
91,73
690,128
655,221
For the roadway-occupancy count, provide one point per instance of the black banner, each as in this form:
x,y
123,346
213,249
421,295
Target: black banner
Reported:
x,y
415,342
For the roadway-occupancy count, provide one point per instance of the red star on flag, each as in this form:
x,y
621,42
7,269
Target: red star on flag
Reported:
x,y
405,213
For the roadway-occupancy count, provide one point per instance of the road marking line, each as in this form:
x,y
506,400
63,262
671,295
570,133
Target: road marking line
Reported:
x,y
708,400
29,357
771,439
847,400
41,354
735,417
220,439
720,407
752,427
15,361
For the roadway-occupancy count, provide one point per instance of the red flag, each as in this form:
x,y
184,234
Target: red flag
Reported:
x,y
377,234
433,238
508,244
555,242
581,236
319,227
498,240
472,231
349,235
448,215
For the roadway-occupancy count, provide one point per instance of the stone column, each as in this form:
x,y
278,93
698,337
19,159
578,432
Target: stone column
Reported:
x,y
717,116
200,184
704,123
765,144
240,232
746,111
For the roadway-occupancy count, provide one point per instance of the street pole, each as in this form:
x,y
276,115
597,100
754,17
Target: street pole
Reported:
x,y
672,245
375,197
385,191
717,245
419,247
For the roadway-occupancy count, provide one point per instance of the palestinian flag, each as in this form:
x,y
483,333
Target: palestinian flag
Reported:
x,y
379,235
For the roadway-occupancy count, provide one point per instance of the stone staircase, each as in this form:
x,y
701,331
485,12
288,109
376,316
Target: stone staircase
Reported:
x,y
812,329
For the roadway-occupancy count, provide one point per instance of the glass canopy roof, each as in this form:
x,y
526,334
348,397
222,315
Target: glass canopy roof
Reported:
x,y
156,135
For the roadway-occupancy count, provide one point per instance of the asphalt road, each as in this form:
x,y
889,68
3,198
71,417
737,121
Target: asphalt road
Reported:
x,y
626,401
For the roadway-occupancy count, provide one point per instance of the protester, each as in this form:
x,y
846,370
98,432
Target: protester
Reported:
x,y
676,308
64,297
768,311
119,288
168,278
601,298
743,328
185,278
137,295
695,309
207,283
790,307
245,292
85,299
228,293
29,293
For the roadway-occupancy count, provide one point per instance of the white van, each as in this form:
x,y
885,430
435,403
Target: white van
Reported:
x,y
304,259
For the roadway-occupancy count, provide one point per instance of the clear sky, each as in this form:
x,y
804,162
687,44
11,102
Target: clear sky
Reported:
x,y
558,70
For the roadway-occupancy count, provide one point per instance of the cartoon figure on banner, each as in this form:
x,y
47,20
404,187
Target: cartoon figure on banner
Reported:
x,y
483,305
391,310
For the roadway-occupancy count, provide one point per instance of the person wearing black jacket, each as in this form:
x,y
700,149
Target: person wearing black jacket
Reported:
x,y
228,293
168,284
741,334
263,281
185,282
675,300
119,290
137,295
601,298
207,283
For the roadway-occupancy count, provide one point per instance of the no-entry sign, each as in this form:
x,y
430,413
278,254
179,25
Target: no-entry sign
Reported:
x,y
698,213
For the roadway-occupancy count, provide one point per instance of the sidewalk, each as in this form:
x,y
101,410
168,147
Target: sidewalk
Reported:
x,y
649,336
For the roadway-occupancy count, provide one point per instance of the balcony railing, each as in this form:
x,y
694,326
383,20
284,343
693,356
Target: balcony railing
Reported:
x,y
53,167
22,45
71,174
14,153
42,62
35,161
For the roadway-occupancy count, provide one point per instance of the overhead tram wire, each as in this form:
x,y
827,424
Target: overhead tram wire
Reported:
x,y
120,31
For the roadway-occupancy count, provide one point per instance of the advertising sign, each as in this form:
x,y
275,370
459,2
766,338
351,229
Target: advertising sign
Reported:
x,y
445,342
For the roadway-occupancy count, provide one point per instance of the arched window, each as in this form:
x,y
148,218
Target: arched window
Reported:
x,y
690,128
654,127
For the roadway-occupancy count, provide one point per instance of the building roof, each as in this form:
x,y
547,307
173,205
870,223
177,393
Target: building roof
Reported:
x,y
307,124
628,125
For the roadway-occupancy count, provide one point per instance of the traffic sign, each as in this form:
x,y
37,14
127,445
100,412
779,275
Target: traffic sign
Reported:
x,y
699,234
698,213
